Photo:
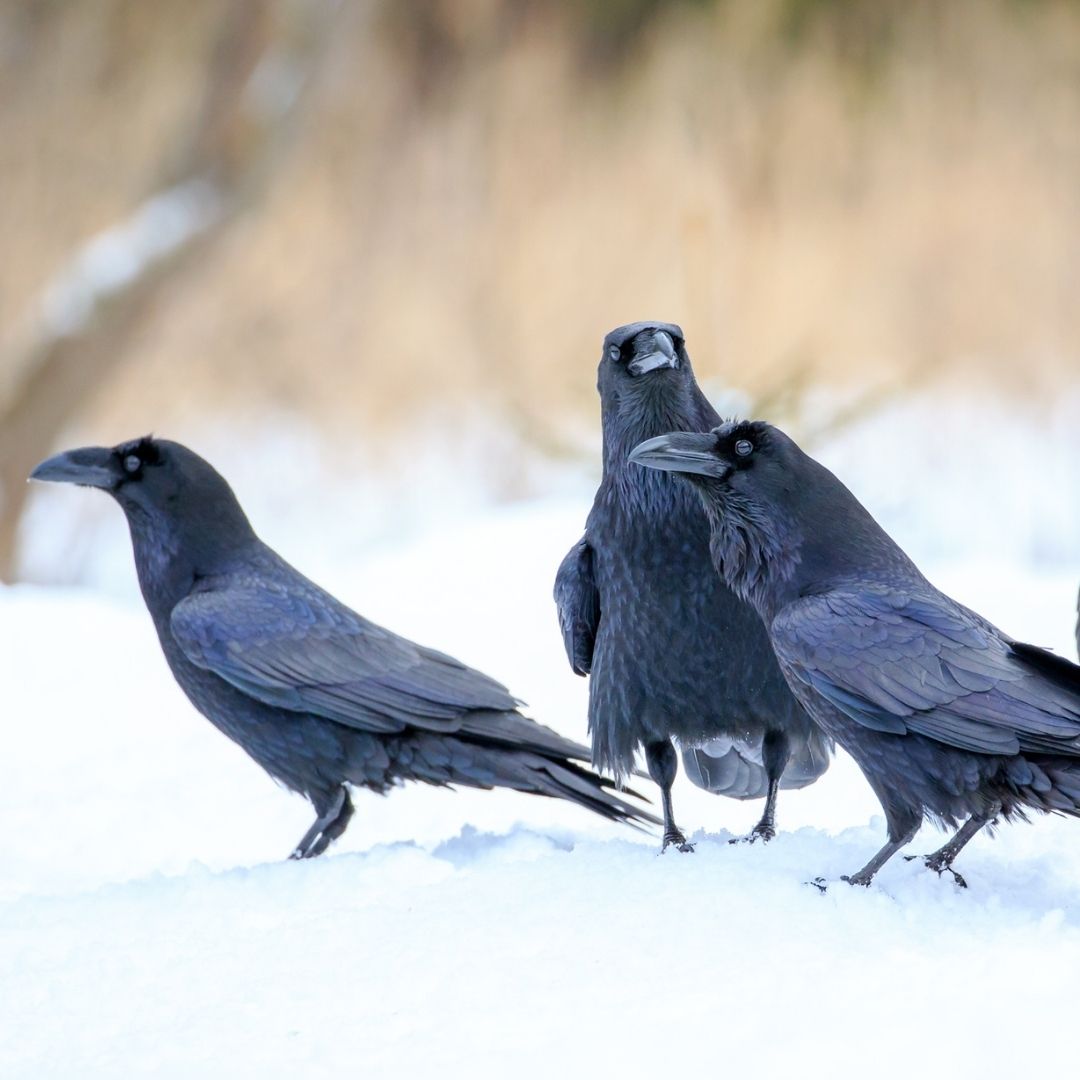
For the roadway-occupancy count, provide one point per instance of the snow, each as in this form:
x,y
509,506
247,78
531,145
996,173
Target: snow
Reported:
x,y
149,924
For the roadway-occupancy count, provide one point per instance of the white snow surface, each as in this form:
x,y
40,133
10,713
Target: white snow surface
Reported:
x,y
150,925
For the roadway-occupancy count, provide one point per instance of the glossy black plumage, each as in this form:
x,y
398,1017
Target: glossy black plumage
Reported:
x,y
319,696
948,717
670,650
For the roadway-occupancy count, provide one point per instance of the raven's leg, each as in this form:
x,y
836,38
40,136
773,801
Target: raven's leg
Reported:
x,y
775,751
663,764
332,821
942,859
866,874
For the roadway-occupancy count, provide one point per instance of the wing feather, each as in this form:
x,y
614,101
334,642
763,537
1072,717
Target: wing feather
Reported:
x,y
578,601
291,645
901,660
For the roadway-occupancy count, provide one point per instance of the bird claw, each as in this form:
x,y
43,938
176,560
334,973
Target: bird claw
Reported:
x,y
678,840
858,879
958,879
939,867
822,884
764,833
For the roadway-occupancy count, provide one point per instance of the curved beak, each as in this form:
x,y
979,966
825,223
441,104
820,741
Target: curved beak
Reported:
x,y
682,452
662,356
89,466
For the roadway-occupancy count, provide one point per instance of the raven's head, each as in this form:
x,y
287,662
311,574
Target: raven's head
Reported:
x,y
174,500
650,351
779,519
646,386
747,456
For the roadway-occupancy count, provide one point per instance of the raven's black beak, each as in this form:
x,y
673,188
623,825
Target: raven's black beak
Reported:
x,y
662,356
682,452
89,466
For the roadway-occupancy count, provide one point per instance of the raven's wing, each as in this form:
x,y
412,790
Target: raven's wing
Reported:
x,y
908,659
289,644
578,601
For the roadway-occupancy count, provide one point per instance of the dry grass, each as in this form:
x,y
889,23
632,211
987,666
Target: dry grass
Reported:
x,y
466,221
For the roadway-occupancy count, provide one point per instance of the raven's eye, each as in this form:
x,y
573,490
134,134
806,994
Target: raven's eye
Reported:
x,y
613,352
744,448
132,464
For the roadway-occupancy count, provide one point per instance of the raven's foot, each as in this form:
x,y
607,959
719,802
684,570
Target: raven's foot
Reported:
x,y
861,878
675,836
822,883
864,876
762,831
329,825
940,865
313,848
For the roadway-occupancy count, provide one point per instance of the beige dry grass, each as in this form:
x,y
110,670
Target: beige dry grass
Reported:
x,y
465,219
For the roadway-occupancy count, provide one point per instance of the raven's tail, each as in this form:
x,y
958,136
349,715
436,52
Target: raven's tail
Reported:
x,y
733,767
509,750
1063,673
565,779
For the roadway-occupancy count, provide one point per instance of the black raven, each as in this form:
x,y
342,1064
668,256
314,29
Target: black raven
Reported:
x,y
671,651
316,694
949,718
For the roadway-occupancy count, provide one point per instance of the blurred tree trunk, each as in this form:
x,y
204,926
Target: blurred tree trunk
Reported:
x,y
264,60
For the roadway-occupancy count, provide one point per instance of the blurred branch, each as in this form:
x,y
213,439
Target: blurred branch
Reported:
x,y
91,310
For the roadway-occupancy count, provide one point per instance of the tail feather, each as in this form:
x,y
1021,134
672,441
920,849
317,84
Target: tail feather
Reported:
x,y
510,750
1063,673
733,767
567,780
513,730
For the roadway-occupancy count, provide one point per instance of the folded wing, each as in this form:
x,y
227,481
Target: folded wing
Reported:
x,y
578,601
291,645
900,660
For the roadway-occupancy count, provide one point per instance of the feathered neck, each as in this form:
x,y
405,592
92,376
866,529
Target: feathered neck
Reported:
x,y
757,556
170,557
643,409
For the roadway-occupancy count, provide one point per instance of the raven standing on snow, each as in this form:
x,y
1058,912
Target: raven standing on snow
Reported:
x,y
671,651
948,718
316,694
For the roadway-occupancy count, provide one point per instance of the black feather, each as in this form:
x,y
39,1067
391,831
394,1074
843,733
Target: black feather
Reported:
x,y
671,651
947,716
315,693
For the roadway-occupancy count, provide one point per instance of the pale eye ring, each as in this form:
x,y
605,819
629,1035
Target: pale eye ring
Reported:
x,y
613,352
132,463
744,448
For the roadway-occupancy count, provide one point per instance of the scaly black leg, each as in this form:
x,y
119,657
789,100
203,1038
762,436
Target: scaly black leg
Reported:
x,y
775,751
866,874
942,859
332,821
663,764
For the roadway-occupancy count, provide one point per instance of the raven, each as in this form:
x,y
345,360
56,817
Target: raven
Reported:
x,y
671,651
319,696
948,717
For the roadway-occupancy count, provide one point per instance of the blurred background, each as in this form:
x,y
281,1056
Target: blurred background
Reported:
x,y
376,244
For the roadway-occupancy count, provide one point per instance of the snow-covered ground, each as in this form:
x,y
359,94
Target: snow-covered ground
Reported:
x,y
149,924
